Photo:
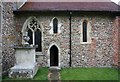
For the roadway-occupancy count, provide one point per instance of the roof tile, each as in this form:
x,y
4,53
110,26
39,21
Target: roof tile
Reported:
x,y
70,6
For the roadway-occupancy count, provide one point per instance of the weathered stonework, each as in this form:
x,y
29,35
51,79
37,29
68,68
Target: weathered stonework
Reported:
x,y
117,42
8,36
49,39
0,41
101,51
23,71
98,53
25,64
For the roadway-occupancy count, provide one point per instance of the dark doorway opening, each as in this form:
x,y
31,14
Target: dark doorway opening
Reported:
x,y
53,56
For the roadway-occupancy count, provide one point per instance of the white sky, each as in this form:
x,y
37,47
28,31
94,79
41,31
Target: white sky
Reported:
x,y
116,1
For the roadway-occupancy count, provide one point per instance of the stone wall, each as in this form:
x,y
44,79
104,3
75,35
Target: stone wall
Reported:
x,y
8,36
0,41
116,42
99,53
118,37
62,39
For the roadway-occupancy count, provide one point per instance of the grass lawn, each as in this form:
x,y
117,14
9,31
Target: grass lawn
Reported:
x,y
41,74
89,74
79,74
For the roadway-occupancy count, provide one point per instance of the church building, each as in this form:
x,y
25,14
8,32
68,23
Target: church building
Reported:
x,y
66,34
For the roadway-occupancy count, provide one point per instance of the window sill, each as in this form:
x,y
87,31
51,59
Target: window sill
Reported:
x,y
85,42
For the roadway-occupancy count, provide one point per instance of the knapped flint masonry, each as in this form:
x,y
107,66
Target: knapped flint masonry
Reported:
x,y
60,40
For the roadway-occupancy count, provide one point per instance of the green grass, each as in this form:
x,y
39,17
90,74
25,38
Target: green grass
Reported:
x,y
78,74
89,74
41,74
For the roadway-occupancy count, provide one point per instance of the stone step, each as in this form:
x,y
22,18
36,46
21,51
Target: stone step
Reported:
x,y
54,68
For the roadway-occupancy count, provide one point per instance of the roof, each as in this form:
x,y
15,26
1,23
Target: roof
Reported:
x,y
69,6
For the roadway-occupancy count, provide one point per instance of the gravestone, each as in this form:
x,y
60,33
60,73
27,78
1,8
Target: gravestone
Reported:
x,y
26,66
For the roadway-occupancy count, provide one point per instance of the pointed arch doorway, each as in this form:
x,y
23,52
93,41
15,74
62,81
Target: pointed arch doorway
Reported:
x,y
54,56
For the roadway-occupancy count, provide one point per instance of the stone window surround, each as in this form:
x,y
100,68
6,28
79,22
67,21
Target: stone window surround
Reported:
x,y
59,26
48,54
88,32
24,30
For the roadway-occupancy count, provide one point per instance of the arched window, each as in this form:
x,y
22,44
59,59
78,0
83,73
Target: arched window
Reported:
x,y
85,31
55,25
33,28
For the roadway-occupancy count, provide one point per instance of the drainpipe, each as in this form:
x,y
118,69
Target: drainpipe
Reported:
x,y
70,13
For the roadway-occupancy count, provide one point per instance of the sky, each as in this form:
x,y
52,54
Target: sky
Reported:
x,y
116,1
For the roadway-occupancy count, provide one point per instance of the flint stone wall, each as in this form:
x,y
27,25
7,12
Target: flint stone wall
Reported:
x,y
8,37
117,42
99,53
62,39
0,42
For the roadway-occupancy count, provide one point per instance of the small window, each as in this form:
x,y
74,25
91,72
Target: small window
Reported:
x,y
55,26
85,37
84,31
